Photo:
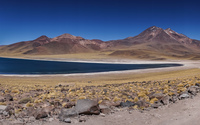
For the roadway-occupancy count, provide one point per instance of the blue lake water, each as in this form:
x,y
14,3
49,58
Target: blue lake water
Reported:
x,y
23,66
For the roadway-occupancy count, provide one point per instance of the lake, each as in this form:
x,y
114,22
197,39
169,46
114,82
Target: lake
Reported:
x,y
24,66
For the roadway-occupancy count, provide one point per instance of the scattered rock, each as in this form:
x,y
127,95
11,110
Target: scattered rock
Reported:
x,y
127,104
183,96
8,97
86,106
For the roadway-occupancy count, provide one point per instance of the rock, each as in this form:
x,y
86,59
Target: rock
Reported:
x,y
156,104
86,106
102,115
173,99
67,120
142,104
66,113
82,119
51,119
25,100
193,90
104,109
5,113
42,112
8,97
156,95
2,99
183,96
110,103
165,100
31,119
3,107
197,84
127,104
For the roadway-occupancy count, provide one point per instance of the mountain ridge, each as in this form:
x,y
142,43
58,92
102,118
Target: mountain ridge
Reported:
x,y
164,42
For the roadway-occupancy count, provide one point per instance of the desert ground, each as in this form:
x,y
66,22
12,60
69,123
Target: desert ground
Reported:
x,y
51,90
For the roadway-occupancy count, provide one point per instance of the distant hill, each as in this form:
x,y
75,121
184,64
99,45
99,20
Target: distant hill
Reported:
x,y
152,43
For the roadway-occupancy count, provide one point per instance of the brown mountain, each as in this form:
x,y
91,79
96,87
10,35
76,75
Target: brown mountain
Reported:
x,y
62,44
153,43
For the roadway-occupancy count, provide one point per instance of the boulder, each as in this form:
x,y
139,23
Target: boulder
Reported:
x,y
87,106
127,104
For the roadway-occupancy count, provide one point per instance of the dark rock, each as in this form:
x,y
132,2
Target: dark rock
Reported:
x,y
197,84
10,110
193,90
65,100
165,100
127,104
8,97
86,106
184,96
156,104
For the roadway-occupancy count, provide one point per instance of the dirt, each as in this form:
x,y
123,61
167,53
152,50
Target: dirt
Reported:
x,y
183,112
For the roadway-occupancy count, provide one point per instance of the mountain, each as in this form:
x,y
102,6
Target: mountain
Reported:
x,y
62,44
156,42
152,43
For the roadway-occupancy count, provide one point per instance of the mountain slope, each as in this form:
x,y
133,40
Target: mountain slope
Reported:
x,y
155,42
152,43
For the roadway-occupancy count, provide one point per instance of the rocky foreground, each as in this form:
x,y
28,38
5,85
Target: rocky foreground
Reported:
x,y
38,104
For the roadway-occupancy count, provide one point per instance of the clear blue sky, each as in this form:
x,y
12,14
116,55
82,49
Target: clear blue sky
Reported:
x,y
22,20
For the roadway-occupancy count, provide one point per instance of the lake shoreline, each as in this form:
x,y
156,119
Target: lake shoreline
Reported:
x,y
187,64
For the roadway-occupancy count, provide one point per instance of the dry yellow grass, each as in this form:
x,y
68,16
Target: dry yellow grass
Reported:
x,y
98,79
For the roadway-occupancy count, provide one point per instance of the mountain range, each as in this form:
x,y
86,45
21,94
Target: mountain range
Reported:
x,y
154,43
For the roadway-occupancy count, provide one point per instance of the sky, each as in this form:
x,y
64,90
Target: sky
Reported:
x,y
22,20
